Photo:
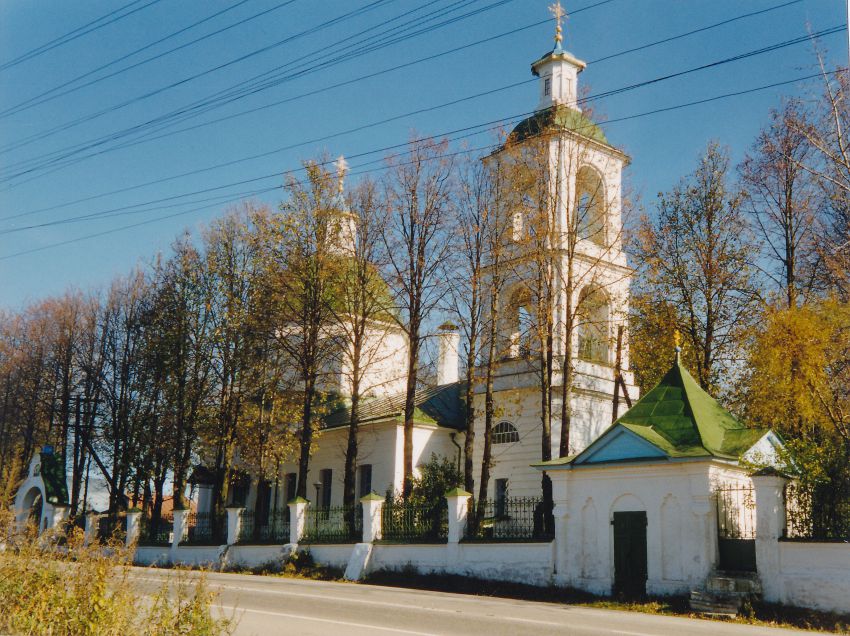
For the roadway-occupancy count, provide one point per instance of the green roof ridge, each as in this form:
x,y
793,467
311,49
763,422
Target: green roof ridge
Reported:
x,y
372,496
457,491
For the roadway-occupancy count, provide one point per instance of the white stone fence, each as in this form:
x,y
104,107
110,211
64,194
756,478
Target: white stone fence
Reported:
x,y
805,574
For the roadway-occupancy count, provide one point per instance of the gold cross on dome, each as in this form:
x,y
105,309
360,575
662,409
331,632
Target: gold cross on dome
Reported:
x,y
559,14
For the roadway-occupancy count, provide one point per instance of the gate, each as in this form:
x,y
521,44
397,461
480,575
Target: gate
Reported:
x,y
736,528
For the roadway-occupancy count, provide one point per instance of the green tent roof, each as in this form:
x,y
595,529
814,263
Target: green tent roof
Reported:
x,y
53,476
557,118
681,419
440,405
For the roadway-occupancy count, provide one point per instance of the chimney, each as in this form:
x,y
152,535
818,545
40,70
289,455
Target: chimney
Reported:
x,y
447,363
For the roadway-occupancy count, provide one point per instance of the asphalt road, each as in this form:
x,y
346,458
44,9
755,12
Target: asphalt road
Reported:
x,y
276,605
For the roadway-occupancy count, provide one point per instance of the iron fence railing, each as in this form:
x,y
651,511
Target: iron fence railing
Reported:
x,y
508,519
407,523
736,511
111,528
274,528
205,528
156,531
815,514
336,524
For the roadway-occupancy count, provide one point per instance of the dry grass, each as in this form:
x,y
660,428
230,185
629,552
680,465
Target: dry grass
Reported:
x,y
54,585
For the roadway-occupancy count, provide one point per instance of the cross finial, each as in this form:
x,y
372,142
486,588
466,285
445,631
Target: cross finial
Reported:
x,y
341,170
559,14
677,340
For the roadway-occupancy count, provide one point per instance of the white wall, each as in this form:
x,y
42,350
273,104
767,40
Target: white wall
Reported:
x,y
197,556
380,444
681,521
815,575
530,563
252,556
591,415
152,555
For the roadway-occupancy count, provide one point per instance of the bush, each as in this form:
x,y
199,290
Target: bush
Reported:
x,y
435,479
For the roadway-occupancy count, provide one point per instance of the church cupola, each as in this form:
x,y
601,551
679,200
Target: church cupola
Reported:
x,y
346,231
558,71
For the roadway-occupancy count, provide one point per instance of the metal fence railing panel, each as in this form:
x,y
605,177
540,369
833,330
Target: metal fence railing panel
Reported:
x,y
509,519
205,528
816,516
336,524
407,523
274,529
111,528
736,511
156,531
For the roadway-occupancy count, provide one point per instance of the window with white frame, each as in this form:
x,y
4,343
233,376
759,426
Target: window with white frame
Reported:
x,y
504,433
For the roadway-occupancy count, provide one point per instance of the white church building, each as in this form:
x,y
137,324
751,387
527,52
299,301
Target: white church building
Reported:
x,y
586,170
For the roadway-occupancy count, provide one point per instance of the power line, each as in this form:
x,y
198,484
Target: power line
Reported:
x,y
68,158
456,153
190,78
695,31
79,32
52,94
121,211
48,159
134,142
597,96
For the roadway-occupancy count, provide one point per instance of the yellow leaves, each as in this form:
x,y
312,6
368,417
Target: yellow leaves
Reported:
x,y
794,362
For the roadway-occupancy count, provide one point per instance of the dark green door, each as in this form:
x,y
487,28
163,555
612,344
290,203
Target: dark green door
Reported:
x,y
630,554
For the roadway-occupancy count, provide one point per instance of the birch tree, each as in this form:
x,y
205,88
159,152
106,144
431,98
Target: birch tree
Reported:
x,y
417,196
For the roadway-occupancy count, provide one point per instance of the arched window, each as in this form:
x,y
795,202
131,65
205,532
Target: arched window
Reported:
x,y
517,227
593,326
504,433
590,206
518,324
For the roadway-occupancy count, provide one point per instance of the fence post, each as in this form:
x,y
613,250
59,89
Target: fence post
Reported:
x,y
372,504
768,487
458,500
234,524
181,528
90,532
60,514
563,568
134,518
297,519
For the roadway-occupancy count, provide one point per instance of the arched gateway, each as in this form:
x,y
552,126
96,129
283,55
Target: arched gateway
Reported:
x,y
42,499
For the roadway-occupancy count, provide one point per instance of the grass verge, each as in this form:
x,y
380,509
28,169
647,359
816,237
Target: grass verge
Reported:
x,y
765,614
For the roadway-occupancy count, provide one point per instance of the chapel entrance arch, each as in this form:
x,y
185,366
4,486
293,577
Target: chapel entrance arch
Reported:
x,y
33,507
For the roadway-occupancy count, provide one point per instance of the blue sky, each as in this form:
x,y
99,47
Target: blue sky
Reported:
x,y
663,146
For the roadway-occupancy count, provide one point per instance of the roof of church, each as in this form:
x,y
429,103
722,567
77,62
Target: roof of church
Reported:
x,y
679,419
558,117
53,476
439,405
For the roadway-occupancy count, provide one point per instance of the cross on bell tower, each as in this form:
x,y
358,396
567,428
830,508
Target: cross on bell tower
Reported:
x,y
559,14
558,70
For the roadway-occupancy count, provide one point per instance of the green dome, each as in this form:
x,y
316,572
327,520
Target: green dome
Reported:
x,y
557,118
